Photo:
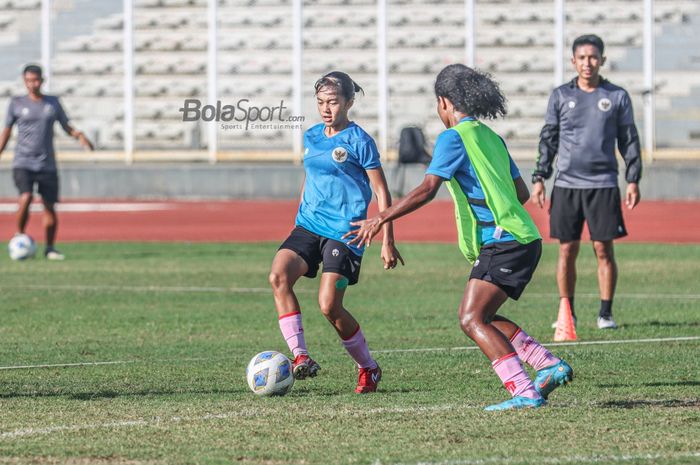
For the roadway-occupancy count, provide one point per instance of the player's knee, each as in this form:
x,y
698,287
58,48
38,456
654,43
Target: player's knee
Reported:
x,y
469,321
278,281
568,250
327,306
50,220
603,251
26,198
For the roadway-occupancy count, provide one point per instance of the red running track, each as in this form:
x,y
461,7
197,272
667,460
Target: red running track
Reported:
x,y
651,221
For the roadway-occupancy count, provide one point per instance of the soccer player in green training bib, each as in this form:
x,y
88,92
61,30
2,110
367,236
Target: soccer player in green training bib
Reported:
x,y
496,233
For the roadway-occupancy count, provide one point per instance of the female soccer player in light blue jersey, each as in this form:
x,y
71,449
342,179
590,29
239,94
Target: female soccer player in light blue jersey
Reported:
x,y
342,168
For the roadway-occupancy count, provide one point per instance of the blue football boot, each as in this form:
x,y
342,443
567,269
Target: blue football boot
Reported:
x,y
550,378
518,402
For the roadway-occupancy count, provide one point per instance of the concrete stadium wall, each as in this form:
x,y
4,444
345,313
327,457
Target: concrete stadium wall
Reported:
x,y
661,181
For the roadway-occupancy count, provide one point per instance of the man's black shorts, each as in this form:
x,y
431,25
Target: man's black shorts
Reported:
x,y
314,249
47,182
600,208
508,265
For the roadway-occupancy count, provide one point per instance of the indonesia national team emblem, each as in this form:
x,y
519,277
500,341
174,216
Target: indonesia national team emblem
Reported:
x,y
604,104
340,154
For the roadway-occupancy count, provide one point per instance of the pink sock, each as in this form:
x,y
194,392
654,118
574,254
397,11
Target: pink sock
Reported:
x,y
293,332
358,350
514,376
531,352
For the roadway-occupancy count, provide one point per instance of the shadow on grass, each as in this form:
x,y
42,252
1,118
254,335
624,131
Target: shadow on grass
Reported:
x,y
157,251
670,403
662,324
316,392
658,384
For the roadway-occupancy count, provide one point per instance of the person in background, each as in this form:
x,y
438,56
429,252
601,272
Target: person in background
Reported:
x,y
585,118
34,162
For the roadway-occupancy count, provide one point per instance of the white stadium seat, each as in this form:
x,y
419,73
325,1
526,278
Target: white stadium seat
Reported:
x,y
514,43
112,22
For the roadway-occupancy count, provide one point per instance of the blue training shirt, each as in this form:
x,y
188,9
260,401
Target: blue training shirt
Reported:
x,y
450,160
337,189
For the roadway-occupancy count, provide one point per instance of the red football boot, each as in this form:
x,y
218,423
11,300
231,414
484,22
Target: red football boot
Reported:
x,y
368,380
304,367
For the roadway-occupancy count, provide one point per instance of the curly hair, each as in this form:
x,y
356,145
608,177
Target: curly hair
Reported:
x,y
340,81
471,92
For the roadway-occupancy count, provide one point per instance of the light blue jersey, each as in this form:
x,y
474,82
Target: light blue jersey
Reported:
x,y
337,189
450,160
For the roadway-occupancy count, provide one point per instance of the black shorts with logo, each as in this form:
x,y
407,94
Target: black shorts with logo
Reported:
x,y
47,182
600,208
314,249
508,265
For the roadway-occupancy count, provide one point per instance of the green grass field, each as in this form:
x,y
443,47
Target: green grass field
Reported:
x,y
181,322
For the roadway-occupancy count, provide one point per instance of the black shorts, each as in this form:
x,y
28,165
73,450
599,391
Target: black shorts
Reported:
x,y
508,265
47,182
314,249
600,208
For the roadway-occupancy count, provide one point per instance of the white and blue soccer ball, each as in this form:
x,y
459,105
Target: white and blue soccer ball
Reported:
x,y
269,373
21,247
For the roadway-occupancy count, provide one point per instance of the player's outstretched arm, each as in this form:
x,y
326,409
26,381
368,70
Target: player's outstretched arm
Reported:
x,y
4,137
415,199
63,120
84,141
390,254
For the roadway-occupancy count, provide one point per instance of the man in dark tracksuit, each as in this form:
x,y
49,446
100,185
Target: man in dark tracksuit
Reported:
x,y
585,118
34,161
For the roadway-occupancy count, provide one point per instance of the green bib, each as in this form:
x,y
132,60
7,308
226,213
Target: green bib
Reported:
x,y
489,157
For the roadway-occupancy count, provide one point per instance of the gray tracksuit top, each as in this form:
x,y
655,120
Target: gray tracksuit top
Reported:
x,y
581,128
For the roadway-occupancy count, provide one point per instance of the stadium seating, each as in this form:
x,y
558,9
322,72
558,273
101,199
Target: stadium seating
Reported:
x,y
20,4
514,42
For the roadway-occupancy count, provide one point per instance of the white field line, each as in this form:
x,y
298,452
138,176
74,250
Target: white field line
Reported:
x,y
113,288
552,344
326,413
251,413
653,458
625,295
10,208
383,351
265,290
111,362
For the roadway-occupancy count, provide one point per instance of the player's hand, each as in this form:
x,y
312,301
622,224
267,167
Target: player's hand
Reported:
x,y
391,256
85,142
367,230
632,197
538,194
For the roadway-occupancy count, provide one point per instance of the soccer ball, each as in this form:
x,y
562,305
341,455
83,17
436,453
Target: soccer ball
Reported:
x,y
270,374
21,247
